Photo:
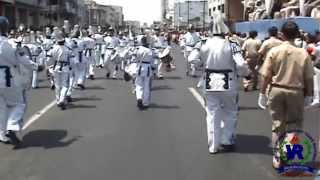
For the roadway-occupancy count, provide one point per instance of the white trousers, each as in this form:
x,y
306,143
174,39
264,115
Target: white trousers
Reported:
x,y
61,80
12,109
80,70
34,79
71,82
90,66
143,86
316,79
221,108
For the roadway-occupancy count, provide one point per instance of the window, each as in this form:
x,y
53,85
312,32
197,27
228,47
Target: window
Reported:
x,y
222,8
210,13
214,9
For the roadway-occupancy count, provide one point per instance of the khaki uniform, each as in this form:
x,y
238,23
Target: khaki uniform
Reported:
x,y
251,47
291,70
268,45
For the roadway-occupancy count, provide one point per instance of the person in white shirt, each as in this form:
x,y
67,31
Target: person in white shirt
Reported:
x,y
224,64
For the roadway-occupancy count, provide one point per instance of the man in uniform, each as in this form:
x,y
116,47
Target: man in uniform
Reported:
x,y
289,72
223,64
145,59
60,56
89,53
190,39
267,45
12,93
112,42
250,48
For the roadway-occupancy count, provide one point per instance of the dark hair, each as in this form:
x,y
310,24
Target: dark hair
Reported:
x,y
144,41
311,38
273,31
290,30
253,34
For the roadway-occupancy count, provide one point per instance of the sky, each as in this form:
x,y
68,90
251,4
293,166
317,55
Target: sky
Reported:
x,y
141,10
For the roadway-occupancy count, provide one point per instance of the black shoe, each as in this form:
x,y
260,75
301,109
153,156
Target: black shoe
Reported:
x,y
81,86
69,99
140,104
91,77
62,106
227,148
246,89
13,138
53,87
108,75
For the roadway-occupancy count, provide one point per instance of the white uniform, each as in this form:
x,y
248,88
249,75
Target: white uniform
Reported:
x,y
190,40
47,45
72,45
223,66
98,48
80,66
109,53
144,74
37,57
194,59
89,54
61,58
159,43
12,90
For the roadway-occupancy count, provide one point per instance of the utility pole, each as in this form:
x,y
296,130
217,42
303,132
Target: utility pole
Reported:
x,y
188,2
204,15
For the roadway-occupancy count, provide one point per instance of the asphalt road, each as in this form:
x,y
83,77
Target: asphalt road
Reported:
x,y
103,136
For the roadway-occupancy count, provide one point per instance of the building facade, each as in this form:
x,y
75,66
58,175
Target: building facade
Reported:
x,y
191,12
104,15
232,9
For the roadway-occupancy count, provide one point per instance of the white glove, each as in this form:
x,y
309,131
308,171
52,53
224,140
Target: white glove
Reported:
x,y
308,100
262,102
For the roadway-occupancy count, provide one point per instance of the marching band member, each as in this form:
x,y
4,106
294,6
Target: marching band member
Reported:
x,y
80,66
36,56
89,53
12,90
223,64
144,73
61,56
191,38
98,37
111,43
47,45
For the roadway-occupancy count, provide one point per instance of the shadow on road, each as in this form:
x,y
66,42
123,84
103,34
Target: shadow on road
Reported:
x,y
95,88
247,108
159,88
47,139
86,99
157,106
81,106
173,77
253,144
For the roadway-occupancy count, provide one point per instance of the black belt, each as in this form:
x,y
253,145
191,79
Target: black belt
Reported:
x,y
145,62
80,56
61,63
8,75
218,70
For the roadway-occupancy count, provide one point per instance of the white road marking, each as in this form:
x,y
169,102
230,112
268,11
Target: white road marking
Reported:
x,y
198,97
38,115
